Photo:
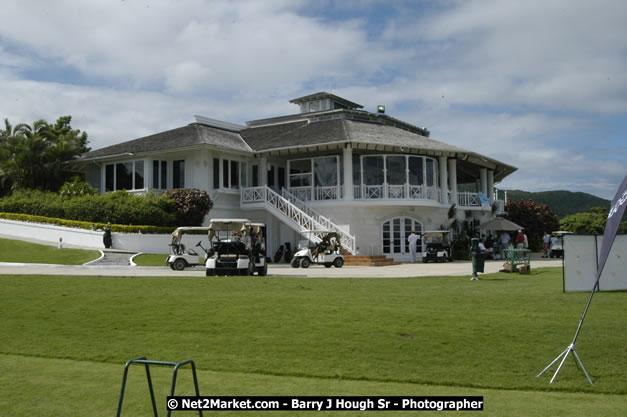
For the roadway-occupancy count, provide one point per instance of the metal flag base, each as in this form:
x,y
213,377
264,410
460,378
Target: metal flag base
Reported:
x,y
570,348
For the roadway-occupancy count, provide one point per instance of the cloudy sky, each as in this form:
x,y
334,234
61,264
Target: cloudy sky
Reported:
x,y
541,85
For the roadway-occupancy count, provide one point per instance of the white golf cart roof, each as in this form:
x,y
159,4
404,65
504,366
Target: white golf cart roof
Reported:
x,y
178,233
228,224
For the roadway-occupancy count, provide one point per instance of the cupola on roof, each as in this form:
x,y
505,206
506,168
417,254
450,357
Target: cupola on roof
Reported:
x,y
323,101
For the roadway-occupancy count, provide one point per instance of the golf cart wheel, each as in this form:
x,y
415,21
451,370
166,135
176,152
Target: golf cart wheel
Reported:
x,y
338,262
263,271
243,272
450,259
305,262
209,272
328,265
251,268
171,266
295,263
179,264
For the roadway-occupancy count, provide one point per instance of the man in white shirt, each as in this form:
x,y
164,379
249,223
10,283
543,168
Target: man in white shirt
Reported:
x,y
413,239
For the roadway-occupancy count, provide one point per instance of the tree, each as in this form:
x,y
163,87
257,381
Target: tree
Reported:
x,y
589,223
535,218
35,156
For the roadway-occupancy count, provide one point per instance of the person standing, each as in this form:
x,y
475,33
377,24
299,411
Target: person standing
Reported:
x,y
546,239
413,239
505,240
520,240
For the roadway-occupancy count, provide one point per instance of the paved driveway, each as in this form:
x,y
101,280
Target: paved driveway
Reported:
x,y
459,268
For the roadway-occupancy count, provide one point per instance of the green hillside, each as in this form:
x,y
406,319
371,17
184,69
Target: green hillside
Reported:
x,y
562,203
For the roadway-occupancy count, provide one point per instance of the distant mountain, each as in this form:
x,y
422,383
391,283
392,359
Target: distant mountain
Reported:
x,y
562,203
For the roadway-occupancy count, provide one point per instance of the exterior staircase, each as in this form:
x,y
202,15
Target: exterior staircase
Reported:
x,y
295,213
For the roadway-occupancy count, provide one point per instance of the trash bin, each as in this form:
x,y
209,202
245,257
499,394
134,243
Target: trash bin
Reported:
x,y
477,257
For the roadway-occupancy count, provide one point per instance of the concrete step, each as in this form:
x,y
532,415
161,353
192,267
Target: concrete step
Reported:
x,y
361,260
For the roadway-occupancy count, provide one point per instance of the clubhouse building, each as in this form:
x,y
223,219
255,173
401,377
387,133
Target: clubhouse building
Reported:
x,y
331,166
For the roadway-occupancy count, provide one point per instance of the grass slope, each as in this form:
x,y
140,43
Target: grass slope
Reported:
x,y
449,332
26,252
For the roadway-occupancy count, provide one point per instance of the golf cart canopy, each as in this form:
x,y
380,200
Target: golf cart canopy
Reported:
x,y
231,225
177,234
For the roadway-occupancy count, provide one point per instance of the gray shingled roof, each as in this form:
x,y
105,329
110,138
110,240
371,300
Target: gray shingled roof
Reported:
x,y
296,134
191,135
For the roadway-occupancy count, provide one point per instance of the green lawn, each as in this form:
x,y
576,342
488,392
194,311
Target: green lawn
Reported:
x,y
26,252
150,259
68,337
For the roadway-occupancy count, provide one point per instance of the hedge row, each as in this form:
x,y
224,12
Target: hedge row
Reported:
x,y
119,228
116,208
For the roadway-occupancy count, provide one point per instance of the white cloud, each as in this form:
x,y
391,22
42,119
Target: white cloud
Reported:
x,y
517,81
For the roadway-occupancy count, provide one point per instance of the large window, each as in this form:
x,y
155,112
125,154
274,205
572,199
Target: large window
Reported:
x,y
373,172
216,173
325,171
160,175
321,172
124,176
234,174
300,173
416,170
397,170
178,175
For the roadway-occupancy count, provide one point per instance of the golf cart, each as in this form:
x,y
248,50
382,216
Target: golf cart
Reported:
x,y
556,249
238,247
181,257
326,252
437,248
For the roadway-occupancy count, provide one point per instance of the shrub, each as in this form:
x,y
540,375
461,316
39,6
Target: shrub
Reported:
x,y
119,228
76,188
117,208
191,205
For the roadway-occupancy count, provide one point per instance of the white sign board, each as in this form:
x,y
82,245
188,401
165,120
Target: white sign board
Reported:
x,y
581,254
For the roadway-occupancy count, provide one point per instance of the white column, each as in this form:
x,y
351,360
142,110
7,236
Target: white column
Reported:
x,y
263,171
148,175
491,185
444,179
348,173
452,177
483,180
210,170
103,179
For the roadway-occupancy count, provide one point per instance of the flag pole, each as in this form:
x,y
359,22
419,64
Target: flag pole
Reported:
x,y
611,227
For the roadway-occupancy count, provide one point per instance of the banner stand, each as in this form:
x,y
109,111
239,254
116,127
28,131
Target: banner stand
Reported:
x,y
611,227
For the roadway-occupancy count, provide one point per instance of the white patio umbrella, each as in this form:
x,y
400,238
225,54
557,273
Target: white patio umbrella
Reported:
x,y
500,223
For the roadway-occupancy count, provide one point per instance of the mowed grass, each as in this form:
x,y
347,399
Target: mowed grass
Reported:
x,y
281,336
26,252
150,259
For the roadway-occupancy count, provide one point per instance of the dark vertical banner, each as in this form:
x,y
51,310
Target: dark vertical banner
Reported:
x,y
614,217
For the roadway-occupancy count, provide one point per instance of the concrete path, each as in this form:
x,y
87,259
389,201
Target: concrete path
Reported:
x,y
457,268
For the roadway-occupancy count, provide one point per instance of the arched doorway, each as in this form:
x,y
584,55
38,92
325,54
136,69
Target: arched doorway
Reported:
x,y
394,234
